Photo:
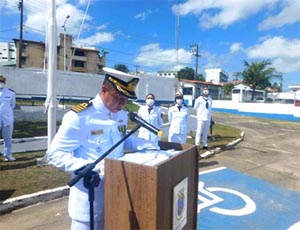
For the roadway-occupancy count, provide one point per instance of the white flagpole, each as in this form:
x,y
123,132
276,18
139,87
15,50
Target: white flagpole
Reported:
x,y
50,104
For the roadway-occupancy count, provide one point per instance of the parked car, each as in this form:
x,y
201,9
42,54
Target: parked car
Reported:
x,y
269,100
259,100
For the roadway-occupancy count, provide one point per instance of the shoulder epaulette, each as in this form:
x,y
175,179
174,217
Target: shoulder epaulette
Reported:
x,y
11,90
80,107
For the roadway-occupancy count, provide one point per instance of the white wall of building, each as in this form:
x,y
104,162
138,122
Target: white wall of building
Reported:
x,y
288,109
215,75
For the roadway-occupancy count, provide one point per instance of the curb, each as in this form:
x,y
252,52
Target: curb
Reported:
x,y
230,145
34,198
25,139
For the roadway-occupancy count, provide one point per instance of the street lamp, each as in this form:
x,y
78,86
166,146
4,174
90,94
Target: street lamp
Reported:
x,y
64,26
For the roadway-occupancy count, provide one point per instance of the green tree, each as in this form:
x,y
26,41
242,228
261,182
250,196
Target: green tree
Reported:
x,y
121,67
200,77
188,73
227,87
257,75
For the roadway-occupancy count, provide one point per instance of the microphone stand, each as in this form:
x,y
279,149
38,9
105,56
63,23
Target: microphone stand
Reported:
x,y
91,178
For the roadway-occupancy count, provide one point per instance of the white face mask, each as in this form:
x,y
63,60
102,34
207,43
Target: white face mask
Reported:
x,y
205,92
149,102
179,101
2,85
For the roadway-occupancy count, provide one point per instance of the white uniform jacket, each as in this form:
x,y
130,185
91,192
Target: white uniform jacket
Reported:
x,y
154,118
203,113
82,138
178,119
7,105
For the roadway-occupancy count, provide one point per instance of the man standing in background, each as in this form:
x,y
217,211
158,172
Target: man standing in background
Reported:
x,y
203,106
7,105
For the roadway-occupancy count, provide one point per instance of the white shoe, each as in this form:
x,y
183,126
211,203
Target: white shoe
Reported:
x,y
9,158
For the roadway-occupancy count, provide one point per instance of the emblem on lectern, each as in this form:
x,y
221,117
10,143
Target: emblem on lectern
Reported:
x,y
180,203
180,198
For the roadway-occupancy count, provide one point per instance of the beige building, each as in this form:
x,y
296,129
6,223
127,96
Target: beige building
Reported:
x,y
85,60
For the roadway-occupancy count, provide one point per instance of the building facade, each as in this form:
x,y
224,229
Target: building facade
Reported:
x,y
71,58
170,74
216,76
7,54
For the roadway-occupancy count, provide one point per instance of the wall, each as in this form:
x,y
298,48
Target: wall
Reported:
x,y
263,108
72,84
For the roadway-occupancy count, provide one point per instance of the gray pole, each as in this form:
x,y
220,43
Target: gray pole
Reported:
x,y
20,6
195,52
64,26
197,55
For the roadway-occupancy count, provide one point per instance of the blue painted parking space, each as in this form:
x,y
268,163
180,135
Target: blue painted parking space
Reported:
x,y
230,200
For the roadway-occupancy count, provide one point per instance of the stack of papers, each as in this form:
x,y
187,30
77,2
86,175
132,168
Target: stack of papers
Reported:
x,y
149,157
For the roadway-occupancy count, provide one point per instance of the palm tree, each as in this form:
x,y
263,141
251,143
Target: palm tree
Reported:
x,y
257,75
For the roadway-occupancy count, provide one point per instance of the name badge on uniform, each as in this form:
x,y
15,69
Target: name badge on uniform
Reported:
x,y
97,132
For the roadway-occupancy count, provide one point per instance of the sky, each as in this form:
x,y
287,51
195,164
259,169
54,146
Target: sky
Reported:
x,y
159,35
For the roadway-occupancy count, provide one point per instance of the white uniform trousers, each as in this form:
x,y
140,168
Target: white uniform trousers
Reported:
x,y
202,132
79,225
7,132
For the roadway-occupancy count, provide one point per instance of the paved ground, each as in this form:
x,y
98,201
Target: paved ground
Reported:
x,y
270,151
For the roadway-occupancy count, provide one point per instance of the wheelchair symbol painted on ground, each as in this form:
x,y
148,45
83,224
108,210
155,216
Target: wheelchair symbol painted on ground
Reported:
x,y
207,199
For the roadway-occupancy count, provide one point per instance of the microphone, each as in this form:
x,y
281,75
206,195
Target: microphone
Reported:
x,y
135,118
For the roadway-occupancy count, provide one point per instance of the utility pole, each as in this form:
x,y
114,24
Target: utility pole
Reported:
x,y
177,36
137,69
64,26
20,7
195,52
279,76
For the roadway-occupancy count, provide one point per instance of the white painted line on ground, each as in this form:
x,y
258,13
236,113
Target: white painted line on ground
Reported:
x,y
212,170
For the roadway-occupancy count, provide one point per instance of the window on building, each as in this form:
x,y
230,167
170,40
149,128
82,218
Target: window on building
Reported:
x,y
79,53
187,91
79,64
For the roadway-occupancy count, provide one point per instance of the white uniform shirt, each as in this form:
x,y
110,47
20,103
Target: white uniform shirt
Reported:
x,y
178,119
154,118
7,105
82,138
203,113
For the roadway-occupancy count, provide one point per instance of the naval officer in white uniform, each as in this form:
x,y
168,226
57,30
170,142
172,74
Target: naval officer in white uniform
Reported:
x,y
7,105
178,116
86,133
203,106
153,115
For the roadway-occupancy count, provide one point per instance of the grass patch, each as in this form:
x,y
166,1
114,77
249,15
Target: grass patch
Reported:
x,y
23,176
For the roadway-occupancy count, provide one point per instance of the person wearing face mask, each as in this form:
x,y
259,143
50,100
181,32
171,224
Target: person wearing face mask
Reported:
x,y
87,132
7,105
178,116
203,106
152,114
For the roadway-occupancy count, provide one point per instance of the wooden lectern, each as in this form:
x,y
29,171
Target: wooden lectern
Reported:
x,y
142,197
